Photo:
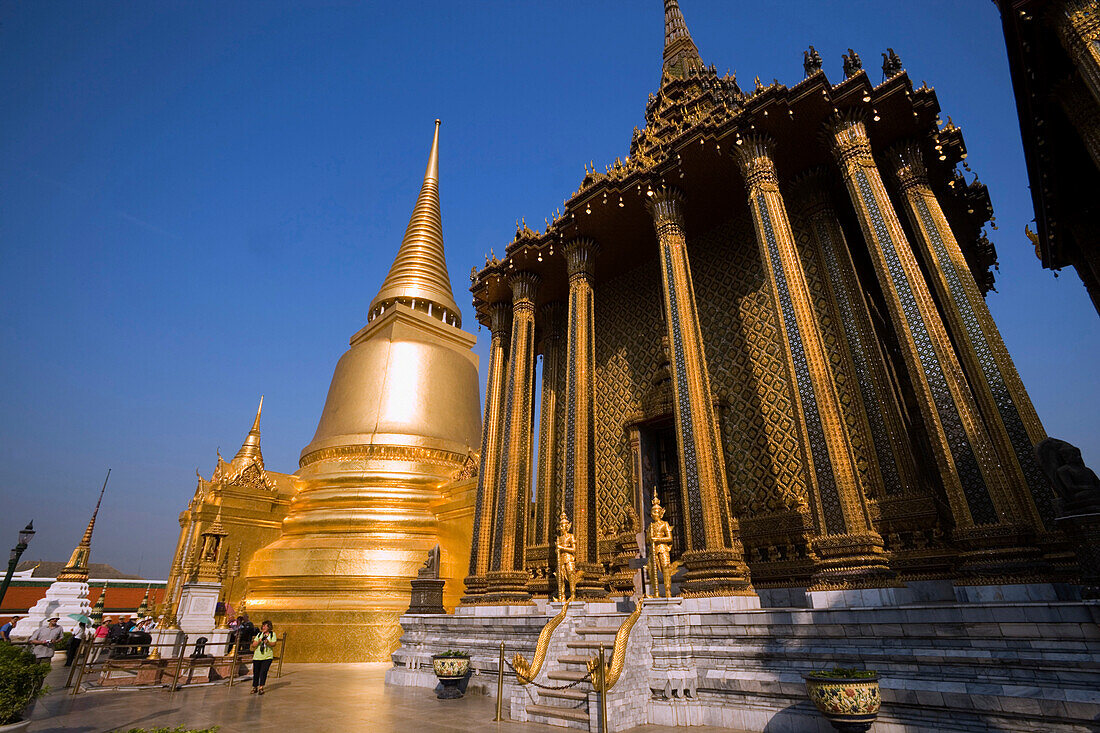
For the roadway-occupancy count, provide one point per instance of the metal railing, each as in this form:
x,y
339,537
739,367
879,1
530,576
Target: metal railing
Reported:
x,y
103,658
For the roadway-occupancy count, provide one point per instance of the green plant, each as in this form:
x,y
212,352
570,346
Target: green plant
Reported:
x,y
21,677
452,653
842,673
63,643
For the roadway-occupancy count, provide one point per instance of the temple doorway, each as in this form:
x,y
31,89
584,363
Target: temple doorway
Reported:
x,y
660,464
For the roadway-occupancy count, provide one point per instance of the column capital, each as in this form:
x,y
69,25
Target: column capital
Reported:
x,y
809,195
551,314
753,154
847,136
905,162
500,316
525,286
580,257
666,206
550,317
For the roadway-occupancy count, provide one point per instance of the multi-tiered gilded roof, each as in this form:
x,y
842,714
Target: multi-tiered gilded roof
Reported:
x,y
692,123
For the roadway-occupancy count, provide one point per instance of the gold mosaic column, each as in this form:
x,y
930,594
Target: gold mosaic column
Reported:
x,y
550,346
713,555
889,449
1010,418
848,547
500,321
507,574
985,510
547,502
1078,26
579,471
908,520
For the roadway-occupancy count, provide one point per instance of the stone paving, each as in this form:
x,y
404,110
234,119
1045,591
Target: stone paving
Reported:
x,y
308,697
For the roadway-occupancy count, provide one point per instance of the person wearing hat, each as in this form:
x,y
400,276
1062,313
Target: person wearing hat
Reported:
x,y
44,637
5,630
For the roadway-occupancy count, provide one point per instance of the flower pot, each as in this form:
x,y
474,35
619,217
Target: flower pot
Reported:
x,y
16,727
850,704
450,671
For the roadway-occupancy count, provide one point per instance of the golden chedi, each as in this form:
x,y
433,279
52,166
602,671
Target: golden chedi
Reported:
x,y
376,486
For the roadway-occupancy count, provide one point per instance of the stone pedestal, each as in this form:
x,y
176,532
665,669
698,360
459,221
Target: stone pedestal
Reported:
x,y
198,601
168,642
62,598
427,596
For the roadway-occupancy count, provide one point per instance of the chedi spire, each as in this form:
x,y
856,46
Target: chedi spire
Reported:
x,y
418,277
76,570
680,51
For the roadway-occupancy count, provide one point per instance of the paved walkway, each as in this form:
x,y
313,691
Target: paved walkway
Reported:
x,y
308,698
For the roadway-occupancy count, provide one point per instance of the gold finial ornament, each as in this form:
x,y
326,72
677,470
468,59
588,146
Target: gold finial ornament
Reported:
x,y
418,276
248,465
681,54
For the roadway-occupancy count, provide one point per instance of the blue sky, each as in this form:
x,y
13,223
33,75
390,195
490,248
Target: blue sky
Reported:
x,y
198,201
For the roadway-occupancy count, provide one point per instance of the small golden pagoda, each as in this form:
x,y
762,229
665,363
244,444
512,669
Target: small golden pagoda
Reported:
x,y
246,501
387,474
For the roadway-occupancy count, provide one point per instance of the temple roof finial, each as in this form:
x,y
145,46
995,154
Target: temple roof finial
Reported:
x,y
250,449
418,276
680,51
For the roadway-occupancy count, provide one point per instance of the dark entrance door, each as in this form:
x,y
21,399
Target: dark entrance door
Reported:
x,y
661,469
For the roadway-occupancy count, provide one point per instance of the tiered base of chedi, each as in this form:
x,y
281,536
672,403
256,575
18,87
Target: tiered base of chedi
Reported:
x,y
771,318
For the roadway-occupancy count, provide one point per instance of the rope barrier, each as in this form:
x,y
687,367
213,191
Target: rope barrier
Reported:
x,y
587,678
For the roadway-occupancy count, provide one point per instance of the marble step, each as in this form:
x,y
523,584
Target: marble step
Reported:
x,y
573,694
597,630
567,675
574,659
593,646
549,711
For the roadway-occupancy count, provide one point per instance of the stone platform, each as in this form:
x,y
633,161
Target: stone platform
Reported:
x,y
948,666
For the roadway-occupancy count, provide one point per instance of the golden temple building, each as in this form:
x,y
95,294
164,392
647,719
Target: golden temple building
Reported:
x,y
772,312
243,498
389,472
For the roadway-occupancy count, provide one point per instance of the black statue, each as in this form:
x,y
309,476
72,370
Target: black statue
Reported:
x,y
853,64
811,61
1074,482
200,648
891,63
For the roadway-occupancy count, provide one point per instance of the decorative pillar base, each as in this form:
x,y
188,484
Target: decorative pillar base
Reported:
x,y
715,573
591,585
1002,552
475,589
1084,531
506,587
538,566
849,561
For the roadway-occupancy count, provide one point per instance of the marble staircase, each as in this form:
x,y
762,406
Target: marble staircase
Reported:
x,y
577,706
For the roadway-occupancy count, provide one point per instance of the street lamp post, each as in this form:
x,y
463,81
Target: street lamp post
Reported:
x,y
16,553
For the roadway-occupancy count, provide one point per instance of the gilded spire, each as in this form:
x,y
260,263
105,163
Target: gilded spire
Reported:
x,y
76,571
250,449
418,276
680,51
